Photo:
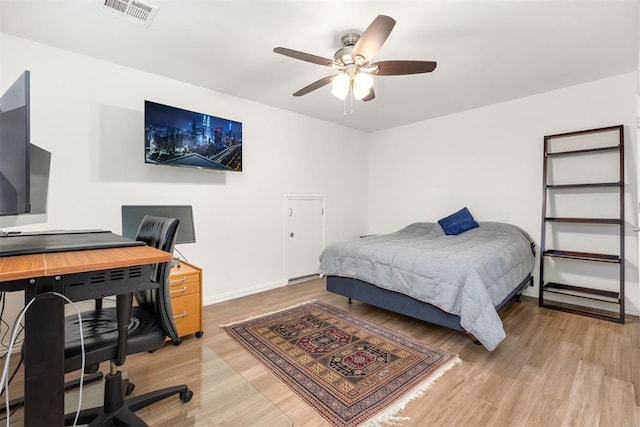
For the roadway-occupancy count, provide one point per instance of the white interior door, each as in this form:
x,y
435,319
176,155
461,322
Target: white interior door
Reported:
x,y
305,235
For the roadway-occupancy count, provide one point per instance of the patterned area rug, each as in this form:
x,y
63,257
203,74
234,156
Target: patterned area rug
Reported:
x,y
349,370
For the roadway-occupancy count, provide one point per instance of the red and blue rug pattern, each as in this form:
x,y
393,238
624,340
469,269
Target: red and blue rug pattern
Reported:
x,y
348,369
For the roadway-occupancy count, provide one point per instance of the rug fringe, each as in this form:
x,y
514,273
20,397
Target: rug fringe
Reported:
x,y
389,416
226,325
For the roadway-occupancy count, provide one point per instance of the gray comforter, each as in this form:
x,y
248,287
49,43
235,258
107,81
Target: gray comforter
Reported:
x,y
466,275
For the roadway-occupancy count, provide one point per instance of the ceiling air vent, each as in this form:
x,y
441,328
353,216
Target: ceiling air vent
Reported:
x,y
131,10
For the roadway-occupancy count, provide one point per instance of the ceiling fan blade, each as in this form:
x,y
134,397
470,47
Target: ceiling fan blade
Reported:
x,y
397,68
303,56
373,37
315,85
370,96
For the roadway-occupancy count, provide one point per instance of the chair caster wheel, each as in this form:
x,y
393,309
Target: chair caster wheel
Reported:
x,y
177,342
199,334
186,396
129,389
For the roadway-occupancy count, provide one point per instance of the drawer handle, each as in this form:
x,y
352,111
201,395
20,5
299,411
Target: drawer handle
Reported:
x,y
176,281
183,314
182,289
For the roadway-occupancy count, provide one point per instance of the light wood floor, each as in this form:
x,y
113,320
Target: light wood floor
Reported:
x,y
553,368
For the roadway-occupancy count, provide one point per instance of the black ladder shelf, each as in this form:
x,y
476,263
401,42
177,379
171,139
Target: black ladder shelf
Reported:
x,y
573,294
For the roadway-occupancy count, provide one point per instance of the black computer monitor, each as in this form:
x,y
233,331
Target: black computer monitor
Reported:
x,y
132,217
14,148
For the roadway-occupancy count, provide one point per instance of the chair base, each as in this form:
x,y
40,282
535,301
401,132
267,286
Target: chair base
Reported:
x,y
117,411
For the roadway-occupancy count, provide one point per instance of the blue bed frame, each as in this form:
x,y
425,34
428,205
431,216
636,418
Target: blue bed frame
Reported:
x,y
406,305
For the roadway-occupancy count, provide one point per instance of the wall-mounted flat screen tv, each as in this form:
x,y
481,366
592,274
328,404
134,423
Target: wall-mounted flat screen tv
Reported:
x,y
177,137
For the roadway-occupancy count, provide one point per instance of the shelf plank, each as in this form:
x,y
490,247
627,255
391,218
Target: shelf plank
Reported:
x,y
614,128
583,292
584,151
585,185
616,221
585,256
612,318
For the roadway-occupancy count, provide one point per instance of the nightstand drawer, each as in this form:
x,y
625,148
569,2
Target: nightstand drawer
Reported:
x,y
186,313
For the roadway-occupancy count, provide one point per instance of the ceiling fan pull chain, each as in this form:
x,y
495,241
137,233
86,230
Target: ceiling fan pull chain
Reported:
x,y
348,103
353,100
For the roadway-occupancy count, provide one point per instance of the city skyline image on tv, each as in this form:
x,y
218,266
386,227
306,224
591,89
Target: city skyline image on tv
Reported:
x,y
177,137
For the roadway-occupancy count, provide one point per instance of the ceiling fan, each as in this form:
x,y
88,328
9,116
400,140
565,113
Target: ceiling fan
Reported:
x,y
353,61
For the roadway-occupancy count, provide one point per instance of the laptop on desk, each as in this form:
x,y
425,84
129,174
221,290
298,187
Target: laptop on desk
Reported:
x,y
62,241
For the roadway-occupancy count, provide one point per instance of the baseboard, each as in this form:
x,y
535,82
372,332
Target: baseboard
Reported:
x,y
302,279
243,293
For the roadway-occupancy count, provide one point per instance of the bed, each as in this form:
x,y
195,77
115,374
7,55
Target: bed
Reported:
x,y
457,281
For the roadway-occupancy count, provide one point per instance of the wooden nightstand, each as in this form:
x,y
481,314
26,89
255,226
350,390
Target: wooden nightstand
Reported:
x,y
186,298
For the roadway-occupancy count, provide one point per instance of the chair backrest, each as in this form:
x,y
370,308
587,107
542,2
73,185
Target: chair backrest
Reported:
x,y
160,233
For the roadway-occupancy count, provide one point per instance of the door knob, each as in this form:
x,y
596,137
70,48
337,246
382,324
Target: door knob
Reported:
x,y
291,234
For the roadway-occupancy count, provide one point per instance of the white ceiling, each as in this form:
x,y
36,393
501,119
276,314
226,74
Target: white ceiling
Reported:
x,y
487,51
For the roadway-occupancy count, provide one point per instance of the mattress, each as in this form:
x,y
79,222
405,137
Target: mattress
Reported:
x,y
465,275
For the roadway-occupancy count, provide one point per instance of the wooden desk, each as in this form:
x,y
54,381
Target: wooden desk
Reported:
x,y
79,275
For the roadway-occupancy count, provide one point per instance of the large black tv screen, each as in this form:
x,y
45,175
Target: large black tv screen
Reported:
x,y
177,137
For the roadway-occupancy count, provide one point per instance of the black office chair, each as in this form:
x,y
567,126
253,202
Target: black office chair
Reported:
x,y
113,332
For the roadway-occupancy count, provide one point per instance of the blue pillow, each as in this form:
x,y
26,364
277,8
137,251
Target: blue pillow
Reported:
x,y
458,222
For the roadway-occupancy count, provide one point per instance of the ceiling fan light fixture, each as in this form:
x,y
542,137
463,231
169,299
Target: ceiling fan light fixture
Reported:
x,y
340,84
362,84
353,61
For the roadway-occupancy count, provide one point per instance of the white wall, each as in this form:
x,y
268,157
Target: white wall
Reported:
x,y
89,115
490,160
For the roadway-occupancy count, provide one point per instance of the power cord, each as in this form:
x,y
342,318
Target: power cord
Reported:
x,y
4,381
180,253
7,329
3,324
8,410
